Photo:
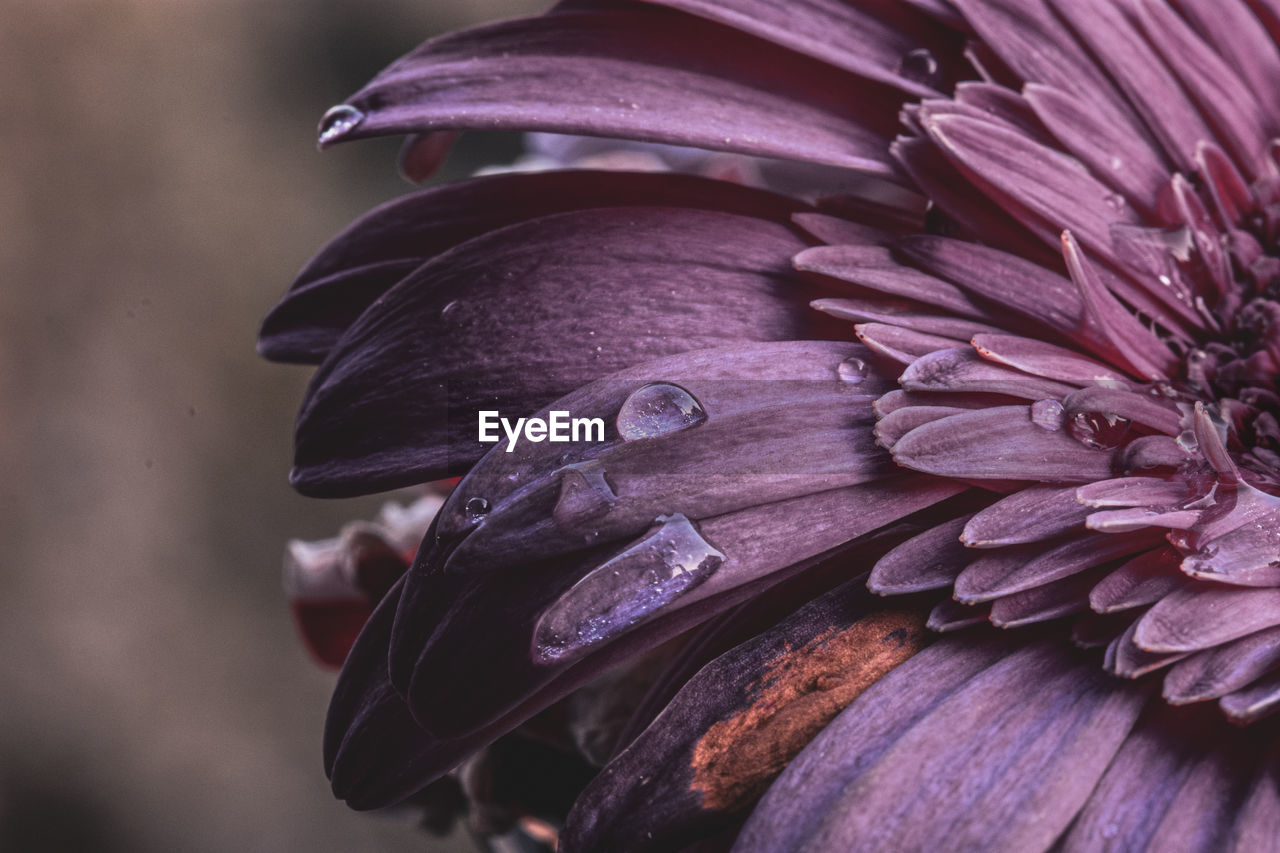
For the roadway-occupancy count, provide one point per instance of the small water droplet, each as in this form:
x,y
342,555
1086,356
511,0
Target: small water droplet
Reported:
x,y
586,496
1116,163
852,371
1099,430
337,122
1178,242
628,589
476,508
451,308
920,66
657,410
1115,201
1048,414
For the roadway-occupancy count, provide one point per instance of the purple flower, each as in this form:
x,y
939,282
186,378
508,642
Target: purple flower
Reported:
x,y
1060,418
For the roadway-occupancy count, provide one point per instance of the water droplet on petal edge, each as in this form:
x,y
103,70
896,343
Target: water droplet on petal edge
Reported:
x,y
337,122
628,589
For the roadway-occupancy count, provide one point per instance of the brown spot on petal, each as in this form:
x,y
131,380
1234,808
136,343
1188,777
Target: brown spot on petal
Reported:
x,y
800,692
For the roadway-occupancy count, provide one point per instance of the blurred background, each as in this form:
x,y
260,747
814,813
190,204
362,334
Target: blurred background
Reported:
x,y
159,186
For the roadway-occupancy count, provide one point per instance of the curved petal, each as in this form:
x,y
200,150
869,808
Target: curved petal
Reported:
x,y
640,73
734,726
487,325
389,242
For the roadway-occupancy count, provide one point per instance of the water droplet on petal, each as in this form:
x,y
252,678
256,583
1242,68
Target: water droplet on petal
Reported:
x,y
852,370
920,66
476,508
1099,430
586,496
1115,201
628,589
337,122
1048,414
657,410
1178,242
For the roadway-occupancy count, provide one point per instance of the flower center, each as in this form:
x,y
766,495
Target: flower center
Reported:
x,y
1236,370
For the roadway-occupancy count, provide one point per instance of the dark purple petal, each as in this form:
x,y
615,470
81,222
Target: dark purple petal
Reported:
x,y
811,786
900,344
992,577
1099,134
908,315
999,444
1142,783
1193,619
1241,40
1218,671
1014,283
1141,581
1035,45
948,615
373,253
734,726
1042,188
485,326
872,267
794,427
1043,603
928,561
898,423
902,53
962,369
1127,659
1030,515
1258,820
968,773
502,622
1152,91
1041,359
640,73
1223,99
1258,700
1203,814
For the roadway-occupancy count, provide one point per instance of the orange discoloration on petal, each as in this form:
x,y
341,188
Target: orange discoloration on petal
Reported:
x,y
799,693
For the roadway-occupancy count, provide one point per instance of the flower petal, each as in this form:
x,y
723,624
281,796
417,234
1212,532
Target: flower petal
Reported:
x,y
928,561
734,726
1033,514
377,250
999,444
1218,671
901,53
1193,619
1051,737
639,73
485,326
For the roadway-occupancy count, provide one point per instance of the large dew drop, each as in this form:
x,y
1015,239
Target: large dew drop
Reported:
x,y
337,122
627,590
657,410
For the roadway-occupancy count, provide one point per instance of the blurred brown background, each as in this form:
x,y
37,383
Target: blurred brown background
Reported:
x,y
158,188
